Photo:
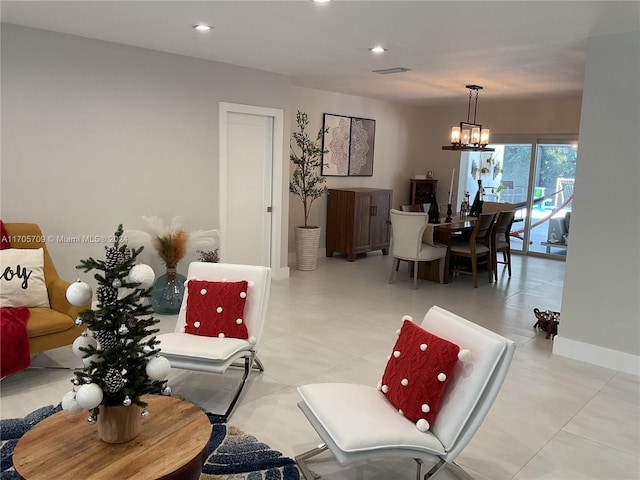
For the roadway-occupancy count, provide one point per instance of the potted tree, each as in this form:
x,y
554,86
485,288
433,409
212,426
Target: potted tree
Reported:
x,y
308,185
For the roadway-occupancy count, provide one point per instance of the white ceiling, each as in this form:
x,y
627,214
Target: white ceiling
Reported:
x,y
514,49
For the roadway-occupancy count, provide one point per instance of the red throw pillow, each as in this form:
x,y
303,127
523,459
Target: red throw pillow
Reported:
x,y
417,373
216,309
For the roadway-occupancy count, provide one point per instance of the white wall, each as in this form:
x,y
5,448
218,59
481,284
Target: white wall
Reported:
x,y
397,139
95,134
539,117
600,320
409,139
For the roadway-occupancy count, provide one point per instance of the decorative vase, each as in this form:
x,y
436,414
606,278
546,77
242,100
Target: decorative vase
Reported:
x,y
168,291
119,424
307,244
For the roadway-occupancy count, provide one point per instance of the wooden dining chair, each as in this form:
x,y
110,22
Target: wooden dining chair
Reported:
x,y
411,208
500,240
477,249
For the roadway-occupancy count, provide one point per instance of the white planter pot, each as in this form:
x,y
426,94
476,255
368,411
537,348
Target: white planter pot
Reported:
x,y
307,244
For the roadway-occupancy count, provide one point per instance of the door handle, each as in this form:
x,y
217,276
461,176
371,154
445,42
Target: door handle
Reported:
x,y
374,210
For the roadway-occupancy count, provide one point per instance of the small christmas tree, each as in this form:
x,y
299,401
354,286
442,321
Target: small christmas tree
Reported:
x,y
119,349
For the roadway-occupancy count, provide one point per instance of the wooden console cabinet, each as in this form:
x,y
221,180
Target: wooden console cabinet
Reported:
x,y
422,191
358,221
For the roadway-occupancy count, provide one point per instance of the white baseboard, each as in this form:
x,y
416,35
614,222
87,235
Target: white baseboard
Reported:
x,y
596,355
281,273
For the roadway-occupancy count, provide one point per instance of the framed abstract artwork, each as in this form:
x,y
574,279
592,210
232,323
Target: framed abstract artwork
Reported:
x,y
348,144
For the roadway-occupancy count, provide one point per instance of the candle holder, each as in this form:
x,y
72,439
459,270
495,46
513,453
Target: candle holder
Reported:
x,y
448,219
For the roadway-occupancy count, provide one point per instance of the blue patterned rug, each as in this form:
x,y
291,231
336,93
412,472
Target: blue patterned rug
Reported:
x,y
233,454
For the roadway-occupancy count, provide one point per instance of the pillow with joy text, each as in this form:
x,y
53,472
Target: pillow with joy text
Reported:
x,y
417,373
22,278
216,309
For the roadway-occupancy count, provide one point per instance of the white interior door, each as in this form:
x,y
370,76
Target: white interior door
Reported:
x,y
248,147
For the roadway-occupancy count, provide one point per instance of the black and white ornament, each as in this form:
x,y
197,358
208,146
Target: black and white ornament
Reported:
x,y
113,380
106,339
106,295
112,257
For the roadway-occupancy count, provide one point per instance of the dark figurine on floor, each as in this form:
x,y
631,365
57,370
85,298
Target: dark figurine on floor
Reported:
x,y
547,322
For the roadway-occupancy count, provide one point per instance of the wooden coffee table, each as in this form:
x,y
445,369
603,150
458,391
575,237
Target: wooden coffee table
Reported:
x,y
172,444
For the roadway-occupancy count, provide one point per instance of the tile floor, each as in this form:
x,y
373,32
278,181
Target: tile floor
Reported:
x,y
555,418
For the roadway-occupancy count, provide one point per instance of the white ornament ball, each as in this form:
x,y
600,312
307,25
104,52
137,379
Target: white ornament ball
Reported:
x,y
142,274
89,396
83,341
407,317
464,356
69,403
79,293
426,408
93,358
243,294
404,382
252,340
423,347
158,368
385,389
422,425
238,321
442,377
396,354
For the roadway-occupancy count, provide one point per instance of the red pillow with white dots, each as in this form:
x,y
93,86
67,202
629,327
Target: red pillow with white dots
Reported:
x,y
216,309
417,373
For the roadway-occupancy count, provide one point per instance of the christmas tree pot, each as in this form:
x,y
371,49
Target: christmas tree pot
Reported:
x,y
119,424
168,291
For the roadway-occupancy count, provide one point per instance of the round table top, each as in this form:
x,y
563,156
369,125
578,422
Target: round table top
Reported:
x,y
172,444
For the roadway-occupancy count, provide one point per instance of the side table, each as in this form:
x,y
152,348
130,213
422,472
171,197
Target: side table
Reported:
x,y
172,445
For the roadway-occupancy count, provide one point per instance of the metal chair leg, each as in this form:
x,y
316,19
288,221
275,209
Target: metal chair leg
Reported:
x,y
248,365
303,457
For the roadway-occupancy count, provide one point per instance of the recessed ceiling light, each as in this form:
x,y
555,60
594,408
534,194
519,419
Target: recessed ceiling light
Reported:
x,y
320,1
201,27
378,49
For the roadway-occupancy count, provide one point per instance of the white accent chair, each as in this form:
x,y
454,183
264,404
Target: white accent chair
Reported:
x,y
408,230
357,423
213,354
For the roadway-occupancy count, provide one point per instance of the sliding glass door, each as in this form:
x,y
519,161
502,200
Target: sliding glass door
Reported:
x,y
536,175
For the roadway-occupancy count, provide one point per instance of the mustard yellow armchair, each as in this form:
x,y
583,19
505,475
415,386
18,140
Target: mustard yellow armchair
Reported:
x,y
47,327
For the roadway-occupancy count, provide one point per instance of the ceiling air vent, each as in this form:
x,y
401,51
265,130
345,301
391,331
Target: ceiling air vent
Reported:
x,y
387,71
